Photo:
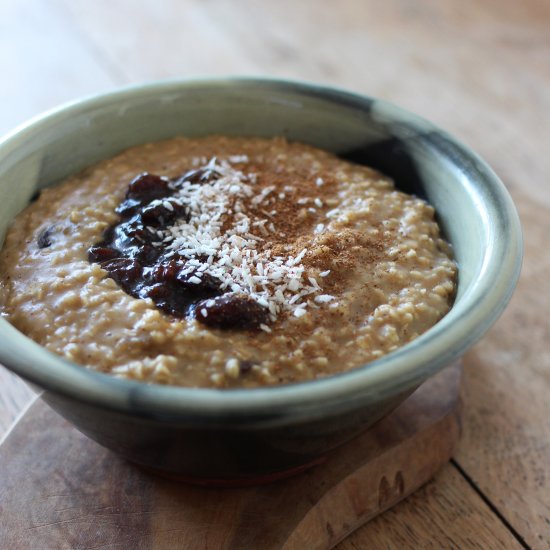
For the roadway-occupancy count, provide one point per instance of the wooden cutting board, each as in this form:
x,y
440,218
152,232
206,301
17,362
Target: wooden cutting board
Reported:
x,y
60,490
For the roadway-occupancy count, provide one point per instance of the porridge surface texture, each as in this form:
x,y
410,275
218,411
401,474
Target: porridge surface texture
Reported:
x,y
344,267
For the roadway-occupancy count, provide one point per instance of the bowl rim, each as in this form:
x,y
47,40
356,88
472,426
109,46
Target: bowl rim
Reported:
x,y
400,370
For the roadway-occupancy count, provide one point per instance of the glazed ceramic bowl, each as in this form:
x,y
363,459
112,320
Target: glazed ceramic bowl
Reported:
x,y
258,434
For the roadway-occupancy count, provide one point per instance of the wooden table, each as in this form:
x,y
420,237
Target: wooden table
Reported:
x,y
479,69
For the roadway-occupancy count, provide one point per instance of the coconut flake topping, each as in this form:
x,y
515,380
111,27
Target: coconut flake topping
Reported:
x,y
222,238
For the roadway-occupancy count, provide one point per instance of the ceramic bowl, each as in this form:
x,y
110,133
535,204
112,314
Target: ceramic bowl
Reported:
x,y
257,434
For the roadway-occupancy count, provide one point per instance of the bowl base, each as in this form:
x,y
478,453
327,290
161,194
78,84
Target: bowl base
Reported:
x,y
241,481
60,486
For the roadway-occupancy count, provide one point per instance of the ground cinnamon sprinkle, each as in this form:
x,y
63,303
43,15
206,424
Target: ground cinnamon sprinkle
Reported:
x,y
330,266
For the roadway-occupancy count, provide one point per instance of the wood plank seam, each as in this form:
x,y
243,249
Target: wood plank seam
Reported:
x,y
490,504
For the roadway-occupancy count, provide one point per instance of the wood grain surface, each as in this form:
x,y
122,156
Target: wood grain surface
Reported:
x,y
59,489
480,69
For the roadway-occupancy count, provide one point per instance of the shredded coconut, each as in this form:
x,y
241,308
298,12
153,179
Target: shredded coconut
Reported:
x,y
221,239
324,298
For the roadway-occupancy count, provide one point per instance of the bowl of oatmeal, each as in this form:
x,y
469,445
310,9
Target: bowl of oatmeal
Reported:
x,y
224,280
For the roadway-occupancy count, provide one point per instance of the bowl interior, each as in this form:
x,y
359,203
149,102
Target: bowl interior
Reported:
x,y
474,210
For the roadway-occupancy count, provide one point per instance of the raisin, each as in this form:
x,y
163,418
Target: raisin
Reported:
x,y
157,292
202,175
165,271
128,208
231,310
100,253
44,239
146,254
162,213
147,187
208,284
131,233
245,366
168,298
125,272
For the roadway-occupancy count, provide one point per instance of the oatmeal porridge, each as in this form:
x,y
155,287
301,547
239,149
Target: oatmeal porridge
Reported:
x,y
225,262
